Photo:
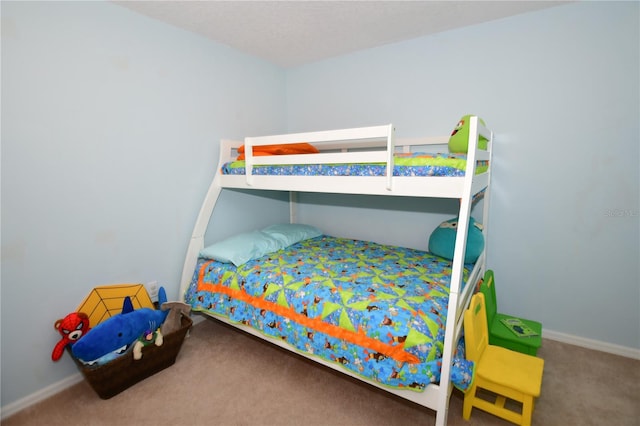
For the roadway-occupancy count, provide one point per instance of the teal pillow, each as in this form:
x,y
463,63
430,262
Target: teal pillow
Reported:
x,y
443,239
241,248
291,233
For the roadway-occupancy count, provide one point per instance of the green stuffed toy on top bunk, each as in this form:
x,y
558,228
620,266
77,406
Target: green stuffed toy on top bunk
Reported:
x,y
459,139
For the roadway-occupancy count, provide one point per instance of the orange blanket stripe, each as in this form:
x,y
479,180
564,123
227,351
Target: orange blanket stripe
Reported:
x,y
396,352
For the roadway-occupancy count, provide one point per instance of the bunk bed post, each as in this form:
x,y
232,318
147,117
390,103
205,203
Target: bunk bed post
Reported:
x,y
453,311
391,149
293,207
196,243
486,198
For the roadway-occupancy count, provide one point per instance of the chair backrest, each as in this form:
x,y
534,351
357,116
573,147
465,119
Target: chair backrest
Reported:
x,y
476,333
488,289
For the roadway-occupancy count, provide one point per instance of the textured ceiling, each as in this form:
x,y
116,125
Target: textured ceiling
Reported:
x,y
292,33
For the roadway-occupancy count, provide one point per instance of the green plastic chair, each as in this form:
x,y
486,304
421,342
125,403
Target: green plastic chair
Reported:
x,y
527,337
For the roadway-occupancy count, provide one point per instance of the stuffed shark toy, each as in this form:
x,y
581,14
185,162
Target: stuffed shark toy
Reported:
x,y
112,337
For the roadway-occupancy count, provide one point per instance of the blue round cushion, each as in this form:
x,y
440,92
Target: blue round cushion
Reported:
x,y
443,240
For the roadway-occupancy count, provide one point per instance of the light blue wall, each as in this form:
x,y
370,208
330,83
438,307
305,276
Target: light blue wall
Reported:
x,y
561,89
110,123
110,130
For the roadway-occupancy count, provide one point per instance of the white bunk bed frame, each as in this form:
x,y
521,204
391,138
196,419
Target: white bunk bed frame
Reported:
x,y
371,144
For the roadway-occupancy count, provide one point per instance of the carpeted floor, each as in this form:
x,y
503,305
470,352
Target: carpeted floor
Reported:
x,y
243,381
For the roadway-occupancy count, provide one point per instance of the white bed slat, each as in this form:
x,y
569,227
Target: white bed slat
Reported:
x,y
348,157
353,134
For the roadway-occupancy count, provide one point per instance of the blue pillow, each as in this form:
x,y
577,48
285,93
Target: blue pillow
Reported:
x,y
443,240
241,248
291,233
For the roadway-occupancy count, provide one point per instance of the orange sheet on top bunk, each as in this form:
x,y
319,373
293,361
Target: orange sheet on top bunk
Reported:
x,y
280,149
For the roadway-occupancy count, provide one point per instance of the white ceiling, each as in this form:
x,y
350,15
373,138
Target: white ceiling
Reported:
x,y
293,33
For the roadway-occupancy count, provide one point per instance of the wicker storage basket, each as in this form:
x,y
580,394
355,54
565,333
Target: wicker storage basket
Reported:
x,y
112,378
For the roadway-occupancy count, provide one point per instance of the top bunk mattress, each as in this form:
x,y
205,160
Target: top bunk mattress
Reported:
x,y
405,164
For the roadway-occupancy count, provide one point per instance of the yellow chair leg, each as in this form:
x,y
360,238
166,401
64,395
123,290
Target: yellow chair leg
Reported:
x,y
498,408
468,402
527,410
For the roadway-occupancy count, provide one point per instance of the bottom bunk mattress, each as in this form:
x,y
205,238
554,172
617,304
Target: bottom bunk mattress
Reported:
x,y
379,311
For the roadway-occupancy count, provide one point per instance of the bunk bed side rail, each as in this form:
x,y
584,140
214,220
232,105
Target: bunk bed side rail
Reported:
x,y
353,134
383,134
403,143
375,144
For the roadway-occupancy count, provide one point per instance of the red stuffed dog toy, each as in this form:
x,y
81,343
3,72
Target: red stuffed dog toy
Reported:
x,y
72,327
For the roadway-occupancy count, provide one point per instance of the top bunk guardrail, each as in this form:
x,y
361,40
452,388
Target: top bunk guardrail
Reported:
x,y
363,137
375,144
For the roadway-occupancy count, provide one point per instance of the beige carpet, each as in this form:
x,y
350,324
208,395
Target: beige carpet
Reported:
x,y
241,380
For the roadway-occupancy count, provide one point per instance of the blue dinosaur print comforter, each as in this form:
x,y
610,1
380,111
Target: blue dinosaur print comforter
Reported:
x,y
377,310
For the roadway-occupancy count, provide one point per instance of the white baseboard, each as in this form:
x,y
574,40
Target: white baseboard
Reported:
x,y
592,344
45,393
41,395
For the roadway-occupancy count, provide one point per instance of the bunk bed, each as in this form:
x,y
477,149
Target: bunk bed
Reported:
x,y
356,161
